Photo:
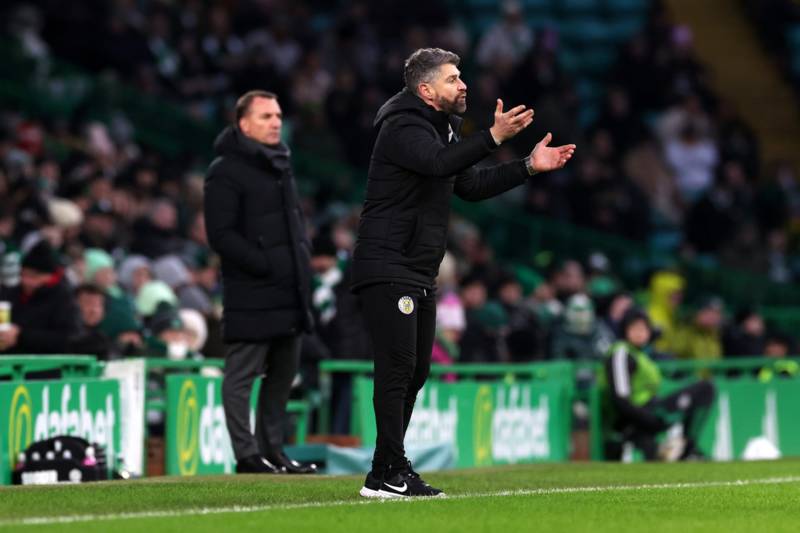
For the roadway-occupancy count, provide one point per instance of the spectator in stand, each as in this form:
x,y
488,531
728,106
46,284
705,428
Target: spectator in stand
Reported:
x,y
172,271
713,221
692,157
338,313
91,339
701,337
119,315
482,340
778,348
43,312
156,234
524,337
134,272
450,324
618,305
568,278
167,336
509,39
665,295
746,337
579,335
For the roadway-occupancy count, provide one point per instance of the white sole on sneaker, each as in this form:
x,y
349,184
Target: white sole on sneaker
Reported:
x,y
369,493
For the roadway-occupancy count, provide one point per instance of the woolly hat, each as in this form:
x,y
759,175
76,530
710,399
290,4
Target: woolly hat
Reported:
x,y
323,244
65,213
165,318
195,323
171,270
41,258
96,259
130,265
151,294
450,313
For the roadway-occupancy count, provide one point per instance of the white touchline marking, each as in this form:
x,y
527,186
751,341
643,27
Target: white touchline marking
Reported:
x,y
45,520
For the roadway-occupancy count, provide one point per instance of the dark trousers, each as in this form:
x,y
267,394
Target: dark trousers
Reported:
x,y
689,405
279,359
402,322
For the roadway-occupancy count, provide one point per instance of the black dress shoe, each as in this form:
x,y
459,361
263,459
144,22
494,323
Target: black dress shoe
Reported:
x,y
291,466
255,464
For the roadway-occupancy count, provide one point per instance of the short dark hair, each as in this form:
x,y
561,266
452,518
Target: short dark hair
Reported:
x,y
245,101
89,288
421,66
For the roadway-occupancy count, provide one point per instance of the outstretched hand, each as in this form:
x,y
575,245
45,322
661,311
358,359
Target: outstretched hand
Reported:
x,y
508,124
544,158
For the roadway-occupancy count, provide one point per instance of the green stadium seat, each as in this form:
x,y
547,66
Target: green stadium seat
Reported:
x,y
622,29
580,7
793,38
585,31
627,6
538,4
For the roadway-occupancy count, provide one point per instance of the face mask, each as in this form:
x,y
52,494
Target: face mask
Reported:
x,y
177,351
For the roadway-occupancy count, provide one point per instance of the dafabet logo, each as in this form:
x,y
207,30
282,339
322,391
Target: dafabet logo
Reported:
x,y
20,423
188,431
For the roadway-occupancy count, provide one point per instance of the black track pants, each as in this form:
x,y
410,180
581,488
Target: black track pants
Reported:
x,y
402,323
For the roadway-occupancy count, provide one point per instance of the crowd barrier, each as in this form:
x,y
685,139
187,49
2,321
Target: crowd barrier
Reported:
x,y
486,413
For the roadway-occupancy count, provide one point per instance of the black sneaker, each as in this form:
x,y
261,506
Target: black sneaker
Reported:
x,y
255,464
407,484
372,486
413,473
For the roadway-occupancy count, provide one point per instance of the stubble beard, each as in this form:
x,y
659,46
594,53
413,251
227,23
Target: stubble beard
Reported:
x,y
456,106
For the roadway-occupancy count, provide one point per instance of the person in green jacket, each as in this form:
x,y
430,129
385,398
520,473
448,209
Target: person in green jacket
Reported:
x,y
638,410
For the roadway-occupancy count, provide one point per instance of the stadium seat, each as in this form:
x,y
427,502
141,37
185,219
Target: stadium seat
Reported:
x,y
580,7
583,31
621,28
627,6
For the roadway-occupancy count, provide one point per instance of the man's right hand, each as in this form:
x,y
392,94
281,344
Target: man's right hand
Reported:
x,y
508,124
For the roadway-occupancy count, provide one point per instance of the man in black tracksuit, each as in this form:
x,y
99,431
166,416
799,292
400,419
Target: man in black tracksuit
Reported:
x,y
417,162
255,223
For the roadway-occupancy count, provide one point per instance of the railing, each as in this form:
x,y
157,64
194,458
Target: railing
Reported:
x,y
300,408
18,367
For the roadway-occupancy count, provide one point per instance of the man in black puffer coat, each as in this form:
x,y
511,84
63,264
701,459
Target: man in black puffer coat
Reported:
x,y
44,315
254,222
418,162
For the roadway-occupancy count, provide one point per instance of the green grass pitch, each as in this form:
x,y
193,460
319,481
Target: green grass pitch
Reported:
x,y
729,497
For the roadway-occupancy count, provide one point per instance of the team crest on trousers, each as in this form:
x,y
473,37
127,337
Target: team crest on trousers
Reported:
x,y
406,305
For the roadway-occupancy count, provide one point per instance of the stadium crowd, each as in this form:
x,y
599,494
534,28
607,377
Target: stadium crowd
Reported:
x,y
103,243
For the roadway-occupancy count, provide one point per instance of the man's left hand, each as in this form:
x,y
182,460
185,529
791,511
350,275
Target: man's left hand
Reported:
x,y
9,337
544,158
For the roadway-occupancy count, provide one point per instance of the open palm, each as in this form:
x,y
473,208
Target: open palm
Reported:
x,y
544,158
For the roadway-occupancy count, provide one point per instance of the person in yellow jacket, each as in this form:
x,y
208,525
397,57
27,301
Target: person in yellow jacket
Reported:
x,y
665,295
701,338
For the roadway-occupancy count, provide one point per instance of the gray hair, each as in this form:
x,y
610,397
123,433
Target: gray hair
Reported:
x,y
422,66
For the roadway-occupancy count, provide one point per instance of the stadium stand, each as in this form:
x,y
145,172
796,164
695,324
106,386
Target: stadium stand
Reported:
x,y
104,140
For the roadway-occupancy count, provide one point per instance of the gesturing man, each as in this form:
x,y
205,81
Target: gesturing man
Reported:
x,y
417,162
255,224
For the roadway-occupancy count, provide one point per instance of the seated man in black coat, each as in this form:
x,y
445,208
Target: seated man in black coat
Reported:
x,y
43,311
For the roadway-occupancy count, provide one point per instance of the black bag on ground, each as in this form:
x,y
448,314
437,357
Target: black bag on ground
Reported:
x,y
63,459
